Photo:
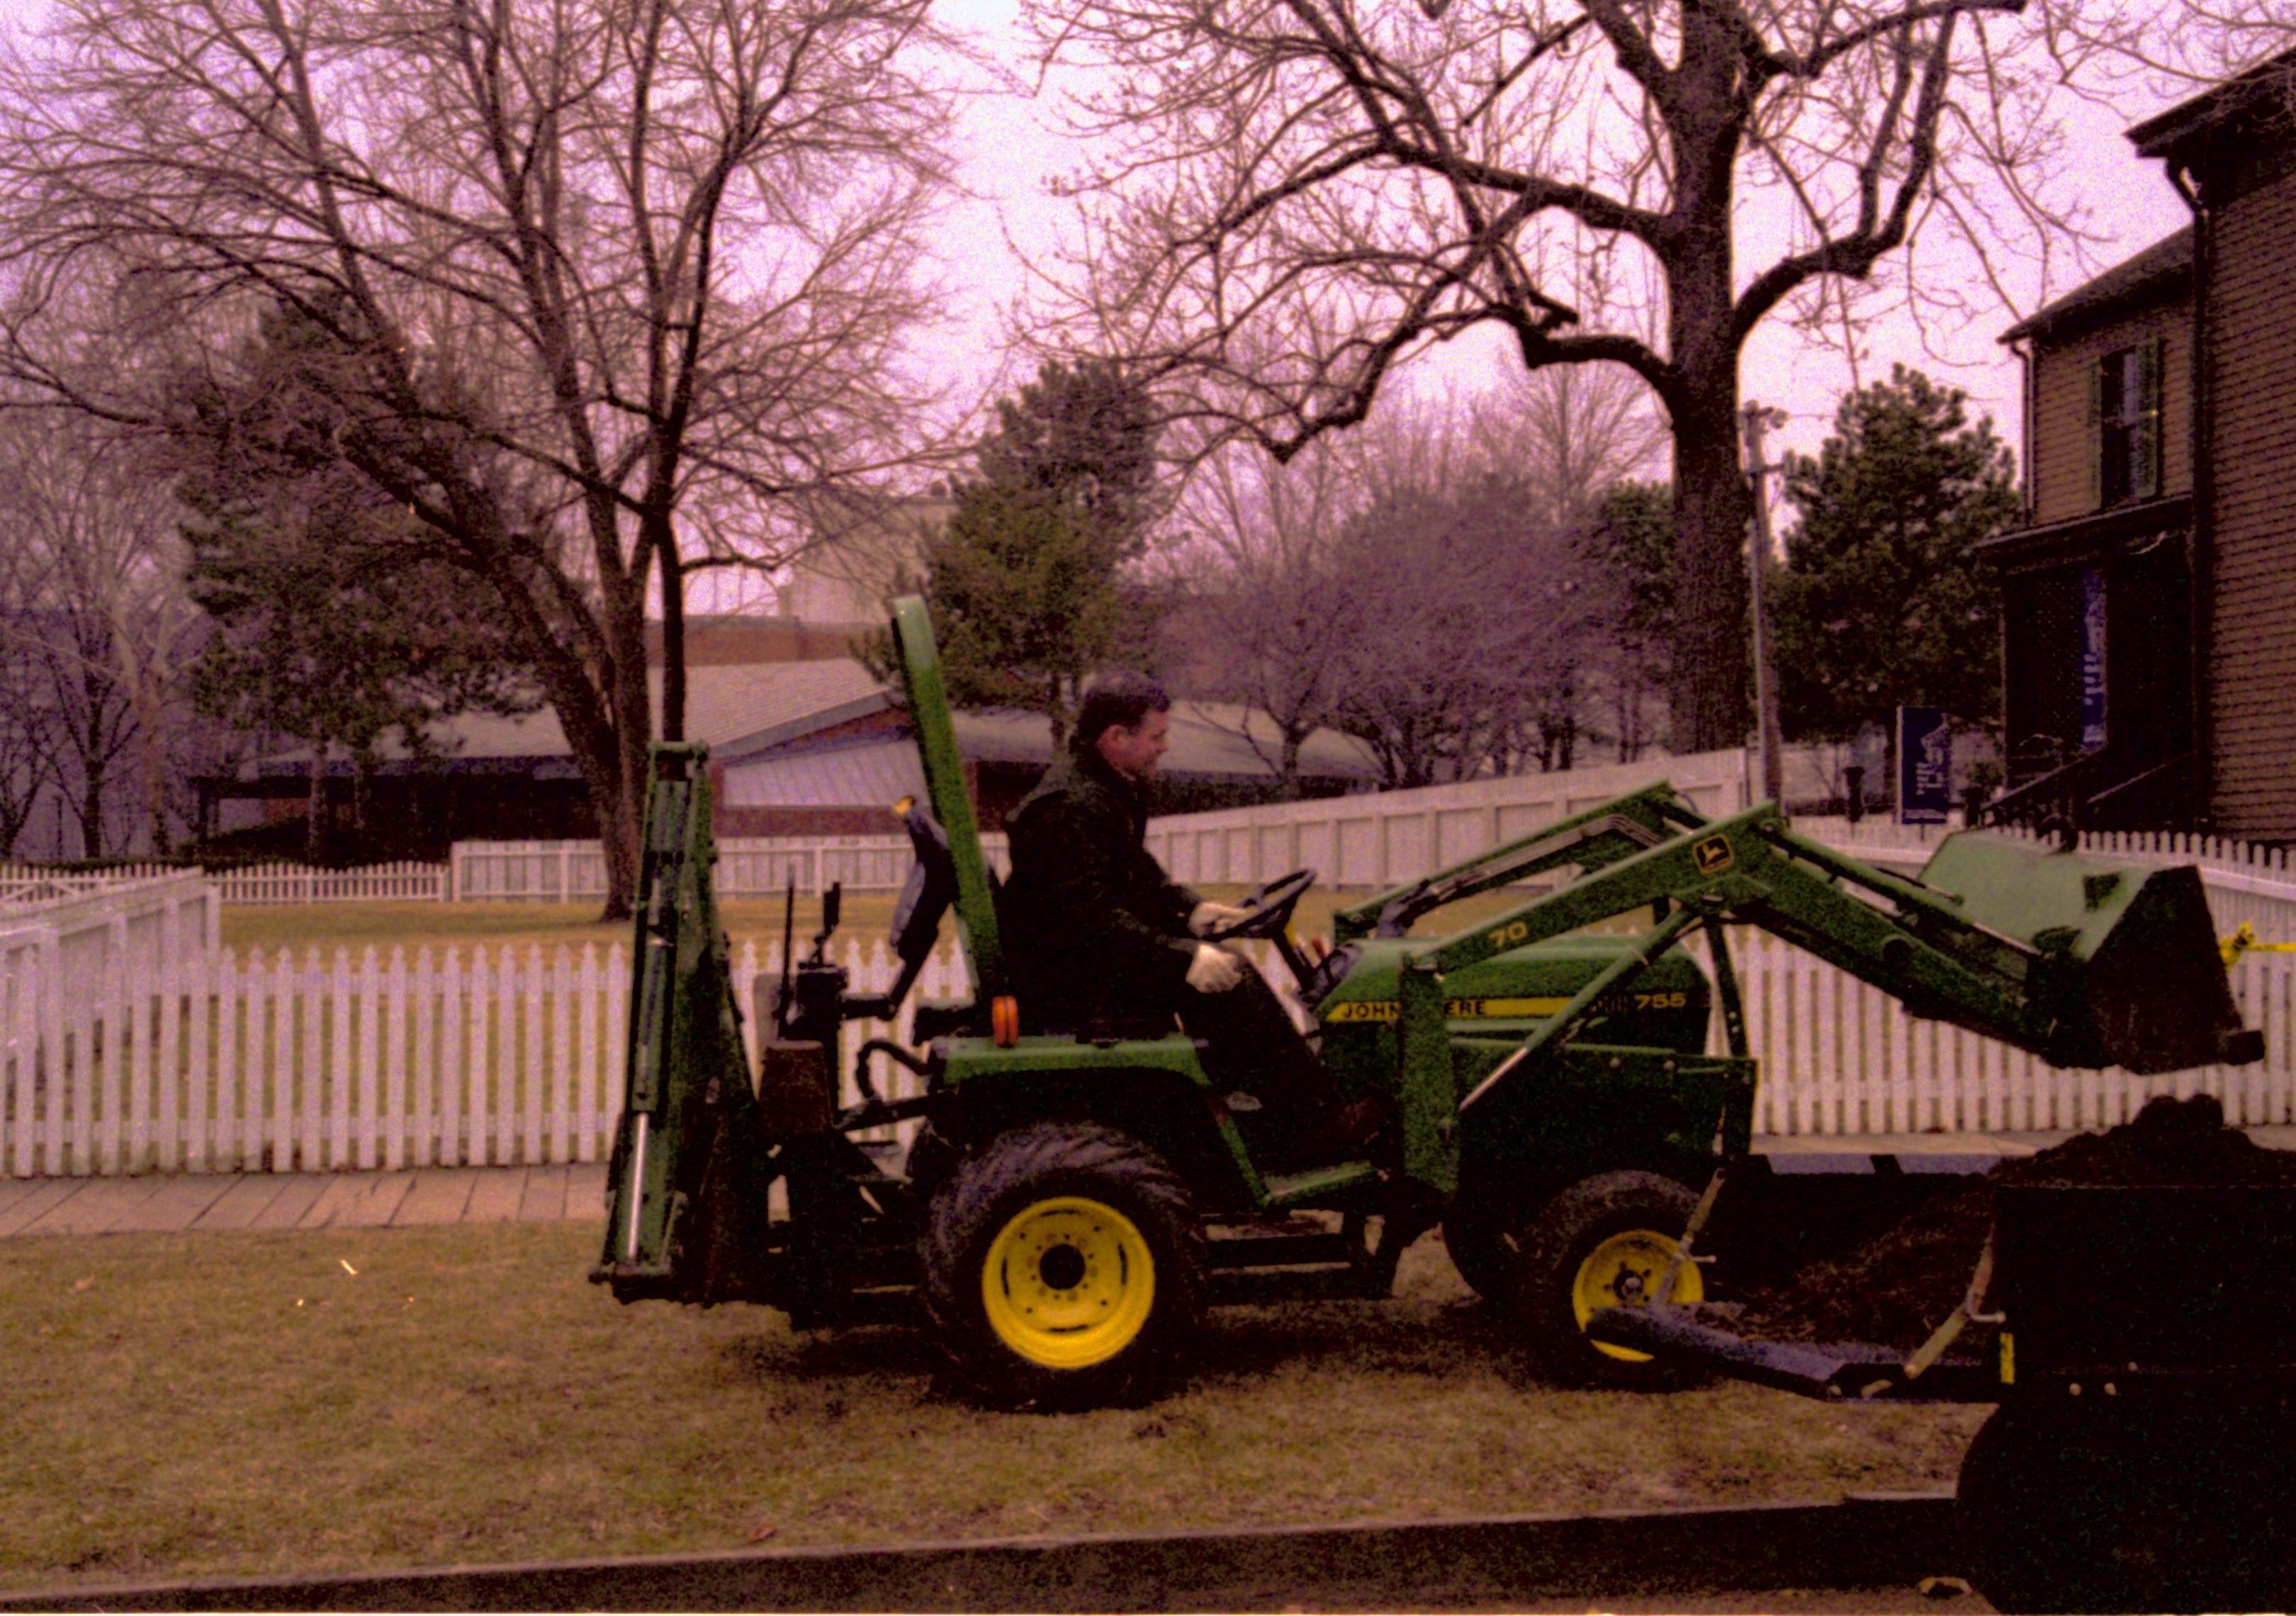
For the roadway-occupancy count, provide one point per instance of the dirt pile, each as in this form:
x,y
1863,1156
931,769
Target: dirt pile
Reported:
x,y
1897,1288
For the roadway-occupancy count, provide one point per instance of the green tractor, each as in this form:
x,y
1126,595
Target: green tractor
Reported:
x,y
1073,1199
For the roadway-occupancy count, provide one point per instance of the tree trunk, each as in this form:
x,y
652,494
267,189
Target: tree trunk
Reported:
x,y
315,805
664,539
1712,506
91,815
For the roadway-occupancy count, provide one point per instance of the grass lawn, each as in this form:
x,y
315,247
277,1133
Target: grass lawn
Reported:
x,y
353,925
240,1404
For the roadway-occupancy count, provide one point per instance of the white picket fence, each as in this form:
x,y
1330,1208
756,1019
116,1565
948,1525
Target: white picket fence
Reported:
x,y
1840,1057
304,1062
406,880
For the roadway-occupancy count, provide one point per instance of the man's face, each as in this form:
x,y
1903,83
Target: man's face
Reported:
x,y
1133,752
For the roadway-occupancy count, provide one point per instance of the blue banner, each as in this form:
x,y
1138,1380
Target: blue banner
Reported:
x,y
2092,659
1924,765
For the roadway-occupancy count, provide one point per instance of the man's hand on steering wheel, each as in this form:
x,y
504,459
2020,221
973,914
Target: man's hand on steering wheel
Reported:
x,y
1264,914
1208,917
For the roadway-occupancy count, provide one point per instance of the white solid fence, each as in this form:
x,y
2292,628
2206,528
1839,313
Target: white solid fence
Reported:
x,y
748,866
300,1062
81,932
1382,839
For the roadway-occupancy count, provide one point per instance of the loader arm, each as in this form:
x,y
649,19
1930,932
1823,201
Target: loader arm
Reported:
x,y
1587,840
2081,963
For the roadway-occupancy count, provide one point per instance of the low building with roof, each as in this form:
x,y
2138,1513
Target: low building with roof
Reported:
x,y
797,749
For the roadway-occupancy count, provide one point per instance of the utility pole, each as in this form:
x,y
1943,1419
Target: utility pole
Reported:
x,y
1766,683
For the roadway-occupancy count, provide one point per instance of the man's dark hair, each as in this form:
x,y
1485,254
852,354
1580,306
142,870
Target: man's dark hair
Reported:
x,y
1119,698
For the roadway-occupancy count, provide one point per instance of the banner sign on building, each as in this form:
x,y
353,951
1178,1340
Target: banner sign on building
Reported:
x,y
1924,765
2092,659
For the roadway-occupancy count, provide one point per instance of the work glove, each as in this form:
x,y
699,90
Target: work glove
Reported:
x,y
1207,917
1214,969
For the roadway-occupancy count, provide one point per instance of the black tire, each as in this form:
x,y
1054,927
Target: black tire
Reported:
x,y
1058,1220
2176,1504
1585,1228
1484,1248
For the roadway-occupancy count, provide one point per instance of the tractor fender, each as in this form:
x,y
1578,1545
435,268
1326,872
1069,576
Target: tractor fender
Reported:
x,y
1180,1121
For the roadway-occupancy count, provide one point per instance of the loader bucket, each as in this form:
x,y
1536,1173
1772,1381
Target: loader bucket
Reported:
x,y
2129,964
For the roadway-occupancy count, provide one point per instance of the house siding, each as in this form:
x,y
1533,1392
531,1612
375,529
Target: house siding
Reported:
x,y
2252,658
2060,483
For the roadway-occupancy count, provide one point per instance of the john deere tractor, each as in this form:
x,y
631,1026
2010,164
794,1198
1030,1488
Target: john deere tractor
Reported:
x,y
1075,1197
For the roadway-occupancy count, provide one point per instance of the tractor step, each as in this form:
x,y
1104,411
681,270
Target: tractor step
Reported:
x,y
1234,1287
1317,1183
1269,1250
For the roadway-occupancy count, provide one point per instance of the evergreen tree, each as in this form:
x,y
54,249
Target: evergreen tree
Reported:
x,y
1029,583
1882,602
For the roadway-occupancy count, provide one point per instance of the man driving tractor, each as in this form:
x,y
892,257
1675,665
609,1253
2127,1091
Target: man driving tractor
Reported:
x,y
1102,939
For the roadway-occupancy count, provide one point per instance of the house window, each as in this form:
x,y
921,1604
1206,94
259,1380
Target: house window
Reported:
x,y
2126,400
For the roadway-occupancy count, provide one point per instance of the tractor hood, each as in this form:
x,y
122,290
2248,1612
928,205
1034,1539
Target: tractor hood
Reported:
x,y
1666,1005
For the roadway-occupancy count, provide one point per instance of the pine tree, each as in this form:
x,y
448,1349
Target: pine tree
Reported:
x,y
1884,601
1029,584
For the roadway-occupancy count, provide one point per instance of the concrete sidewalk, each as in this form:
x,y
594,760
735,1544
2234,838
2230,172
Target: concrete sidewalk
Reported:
x,y
167,1204
170,1202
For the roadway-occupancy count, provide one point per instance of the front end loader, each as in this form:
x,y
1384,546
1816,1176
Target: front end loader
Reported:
x,y
1073,1198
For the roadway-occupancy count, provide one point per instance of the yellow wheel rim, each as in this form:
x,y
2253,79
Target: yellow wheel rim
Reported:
x,y
1626,1271
1068,1283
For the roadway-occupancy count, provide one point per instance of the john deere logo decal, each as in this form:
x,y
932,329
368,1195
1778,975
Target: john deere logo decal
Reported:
x,y
1712,856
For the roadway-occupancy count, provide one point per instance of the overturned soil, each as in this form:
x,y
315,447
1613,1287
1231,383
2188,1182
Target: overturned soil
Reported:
x,y
1900,1286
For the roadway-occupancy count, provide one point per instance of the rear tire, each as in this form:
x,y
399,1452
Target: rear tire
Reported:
x,y
1605,1241
1063,1269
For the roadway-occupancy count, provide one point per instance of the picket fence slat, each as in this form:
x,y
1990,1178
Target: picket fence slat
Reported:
x,y
271,1062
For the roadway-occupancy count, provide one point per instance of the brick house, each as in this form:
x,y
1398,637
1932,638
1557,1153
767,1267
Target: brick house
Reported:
x,y
2148,603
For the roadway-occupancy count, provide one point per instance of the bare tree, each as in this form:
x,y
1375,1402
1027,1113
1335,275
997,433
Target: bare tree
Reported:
x,y
98,628
1257,546
1469,656
1282,169
574,283
25,765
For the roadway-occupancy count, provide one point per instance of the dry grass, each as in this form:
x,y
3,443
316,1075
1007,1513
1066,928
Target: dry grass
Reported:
x,y
353,925
242,1404
329,926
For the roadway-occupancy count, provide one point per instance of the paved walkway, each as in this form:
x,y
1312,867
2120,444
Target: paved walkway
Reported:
x,y
164,1203
302,1201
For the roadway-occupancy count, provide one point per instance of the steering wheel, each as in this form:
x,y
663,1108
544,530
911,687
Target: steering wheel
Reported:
x,y
1270,908
1270,917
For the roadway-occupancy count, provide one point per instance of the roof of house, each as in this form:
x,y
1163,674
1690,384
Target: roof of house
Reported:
x,y
1208,743
743,711
2165,263
734,708
2266,88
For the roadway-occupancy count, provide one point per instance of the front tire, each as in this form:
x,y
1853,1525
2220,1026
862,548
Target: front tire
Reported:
x,y
1063,1269
1484,1248
1604,1241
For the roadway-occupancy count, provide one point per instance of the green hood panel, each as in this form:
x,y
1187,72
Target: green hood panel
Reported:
x,y
1666,1008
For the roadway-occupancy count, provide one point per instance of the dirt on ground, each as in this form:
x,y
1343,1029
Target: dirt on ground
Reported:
x,y
1895,1289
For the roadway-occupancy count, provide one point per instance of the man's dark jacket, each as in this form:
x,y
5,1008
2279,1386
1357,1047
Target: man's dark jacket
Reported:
x,y
1096,930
